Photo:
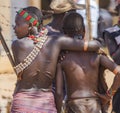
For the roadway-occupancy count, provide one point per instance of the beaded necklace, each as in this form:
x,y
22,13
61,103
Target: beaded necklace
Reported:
x,y
40,36
39,40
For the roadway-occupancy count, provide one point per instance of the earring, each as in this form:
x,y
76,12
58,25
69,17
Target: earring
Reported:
x,y
30,30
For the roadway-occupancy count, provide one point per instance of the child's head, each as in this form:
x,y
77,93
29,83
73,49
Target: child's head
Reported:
x,y
28,21
73,24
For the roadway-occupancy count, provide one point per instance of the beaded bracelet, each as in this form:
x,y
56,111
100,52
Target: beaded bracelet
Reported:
x,y
110,93
116,70
85,46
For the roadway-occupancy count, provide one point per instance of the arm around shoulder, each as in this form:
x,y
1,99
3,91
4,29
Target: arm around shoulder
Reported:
x,y
67,43
93,45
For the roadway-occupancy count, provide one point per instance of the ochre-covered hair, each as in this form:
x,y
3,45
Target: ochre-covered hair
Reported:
x,y
32,15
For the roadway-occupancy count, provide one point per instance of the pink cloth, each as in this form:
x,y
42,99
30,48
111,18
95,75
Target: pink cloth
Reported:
x,y
33,102
118,1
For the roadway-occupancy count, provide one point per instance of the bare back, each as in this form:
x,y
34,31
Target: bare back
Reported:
x,y
81,70
41,72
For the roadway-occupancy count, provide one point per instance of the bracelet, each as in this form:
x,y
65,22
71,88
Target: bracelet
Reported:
x,y
110,93
85,46
116,70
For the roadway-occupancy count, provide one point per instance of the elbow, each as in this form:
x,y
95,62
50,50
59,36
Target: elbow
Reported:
x,y
94,46
115,60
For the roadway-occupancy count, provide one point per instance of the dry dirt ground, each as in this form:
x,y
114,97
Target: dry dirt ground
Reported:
x,y
8,80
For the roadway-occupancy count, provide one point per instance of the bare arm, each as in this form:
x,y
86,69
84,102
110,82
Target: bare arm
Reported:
x,y
59,88
105,98
113,67
68,43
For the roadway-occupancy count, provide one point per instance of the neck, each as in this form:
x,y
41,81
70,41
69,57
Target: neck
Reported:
x,y
57,22
37,38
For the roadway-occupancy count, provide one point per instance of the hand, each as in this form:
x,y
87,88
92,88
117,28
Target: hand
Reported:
x,y
101,51
105,99
118,1
61,57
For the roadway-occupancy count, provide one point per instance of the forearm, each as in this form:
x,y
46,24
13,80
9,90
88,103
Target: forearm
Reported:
x,y
78,45
113,67
59,100
59,88
93,46
116,82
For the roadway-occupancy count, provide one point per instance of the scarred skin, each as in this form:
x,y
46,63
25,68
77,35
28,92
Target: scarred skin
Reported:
x,y
81,73
81,70
118,1
41,72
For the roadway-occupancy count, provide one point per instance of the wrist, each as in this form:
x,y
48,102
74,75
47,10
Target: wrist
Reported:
x,y
85,46
110,93
116,70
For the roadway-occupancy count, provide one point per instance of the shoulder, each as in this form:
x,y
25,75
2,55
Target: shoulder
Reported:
x,y
57,37
22,43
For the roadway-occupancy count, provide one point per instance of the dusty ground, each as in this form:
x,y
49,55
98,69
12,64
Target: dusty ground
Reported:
x,y
8,80
7,84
